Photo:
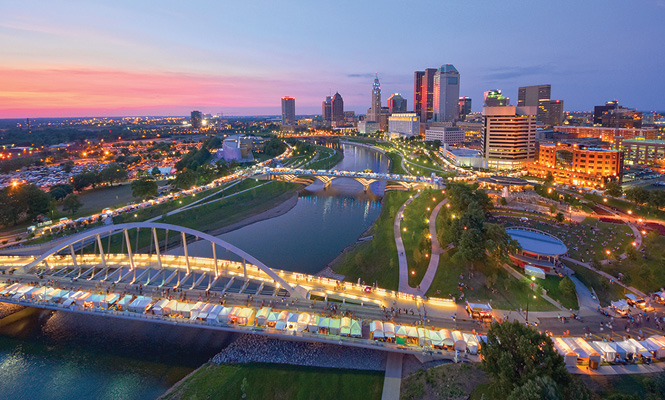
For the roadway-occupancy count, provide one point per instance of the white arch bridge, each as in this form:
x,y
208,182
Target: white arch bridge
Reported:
x,y
364,178
110,254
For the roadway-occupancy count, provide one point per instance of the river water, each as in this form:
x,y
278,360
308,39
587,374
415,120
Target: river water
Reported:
x,y
47,355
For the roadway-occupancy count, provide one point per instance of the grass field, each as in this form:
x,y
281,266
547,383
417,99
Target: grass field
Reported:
x,y
396,163
625,206
327,158
376,260
551,284
95,200
417,244
273,381
605,291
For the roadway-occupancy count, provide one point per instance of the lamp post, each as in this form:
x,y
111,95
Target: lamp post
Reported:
x,y
533,278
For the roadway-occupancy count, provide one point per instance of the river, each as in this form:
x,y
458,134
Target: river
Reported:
x,y
47,355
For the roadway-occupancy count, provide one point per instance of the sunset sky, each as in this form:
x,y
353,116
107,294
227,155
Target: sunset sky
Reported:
x,y
116,58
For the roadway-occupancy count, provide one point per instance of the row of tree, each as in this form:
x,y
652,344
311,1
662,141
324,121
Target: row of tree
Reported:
x,y
26,202
112,173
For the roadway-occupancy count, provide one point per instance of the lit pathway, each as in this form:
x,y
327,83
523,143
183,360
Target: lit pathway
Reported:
x,y
393,378
436,252
401,254
587,304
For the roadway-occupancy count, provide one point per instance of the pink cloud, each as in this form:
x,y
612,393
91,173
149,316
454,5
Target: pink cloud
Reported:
x,y
82,91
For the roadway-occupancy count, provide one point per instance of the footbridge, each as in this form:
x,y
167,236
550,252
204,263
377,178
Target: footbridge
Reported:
x,y
364,178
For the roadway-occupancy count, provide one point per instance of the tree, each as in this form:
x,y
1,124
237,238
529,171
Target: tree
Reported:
x,y
185,179
144,187
113,173
274,147
85,179
59,192
567,287
67,166
515,354
549,179
538,388
553,209
155,172
637,194
71,203
33,201
560,217
504,202
613,189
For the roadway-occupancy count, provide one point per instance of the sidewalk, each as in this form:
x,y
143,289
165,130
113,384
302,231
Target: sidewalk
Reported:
x,y
393,380
401,254
427,280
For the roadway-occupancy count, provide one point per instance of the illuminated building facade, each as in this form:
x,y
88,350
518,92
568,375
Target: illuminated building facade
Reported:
x,y
609,135
550,112
288,111
509,136
375,109
423,99
404,125
196,119
464,105
494,98
446,93
396,103
445,134
326,110
337,109
641,151
578,165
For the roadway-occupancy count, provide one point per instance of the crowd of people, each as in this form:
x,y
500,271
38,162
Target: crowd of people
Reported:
x,y
256,348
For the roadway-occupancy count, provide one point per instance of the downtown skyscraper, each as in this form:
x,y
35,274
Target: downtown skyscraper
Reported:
x,y
446,93
374,111
423,97
337,109
288,111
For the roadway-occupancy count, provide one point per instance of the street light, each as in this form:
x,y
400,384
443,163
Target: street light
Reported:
x,y
527,308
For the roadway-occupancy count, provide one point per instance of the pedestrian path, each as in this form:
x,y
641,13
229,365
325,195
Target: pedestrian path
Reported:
x,y
606,275
427,280
401,253
618,369
587,303
393,379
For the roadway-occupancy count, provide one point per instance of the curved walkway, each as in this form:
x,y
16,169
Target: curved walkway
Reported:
x,y
427,280
606,275
401,254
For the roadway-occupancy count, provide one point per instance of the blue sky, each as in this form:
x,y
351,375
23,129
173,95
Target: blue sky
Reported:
x,y
79,58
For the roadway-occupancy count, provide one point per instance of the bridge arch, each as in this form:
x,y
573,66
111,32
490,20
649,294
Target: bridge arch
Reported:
x,y
110,229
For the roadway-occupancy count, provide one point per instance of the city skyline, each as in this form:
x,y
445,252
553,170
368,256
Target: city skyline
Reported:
x,y
77,59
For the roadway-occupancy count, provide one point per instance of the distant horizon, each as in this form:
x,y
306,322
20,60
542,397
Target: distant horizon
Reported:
x,y
73,59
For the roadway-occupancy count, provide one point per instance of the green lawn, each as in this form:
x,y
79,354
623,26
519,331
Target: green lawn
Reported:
x,y
605,291
625,206
551,284
95,200
233,209
647,272
327,158
396,163
376,260
417,244
274,381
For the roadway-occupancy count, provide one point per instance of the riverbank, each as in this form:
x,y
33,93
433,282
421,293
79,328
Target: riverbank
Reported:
x,y
278,210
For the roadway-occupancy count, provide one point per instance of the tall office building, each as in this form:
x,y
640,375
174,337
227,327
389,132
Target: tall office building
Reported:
x,y
509,136
494,98
288,111
538,96
464,104
553,112
326,110
337,109
196,119
375,109
612,115
446,93
423,99
396,103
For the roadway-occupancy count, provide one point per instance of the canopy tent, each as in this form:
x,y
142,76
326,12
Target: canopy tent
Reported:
x,y
621,352
423,337
262,316
376,330
272,319
157,308
223,315
324,324
460,344
447,338
109,300
313,325
356,328
479,310
194,312
471,343
655,347
605,350
569,357
203,314
123,304
534,271
170,307
389,331
140,304
246,316
436,339
334,327
38,294
345,327
638,348
303,322
635,301
213,314
620,306
292,321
